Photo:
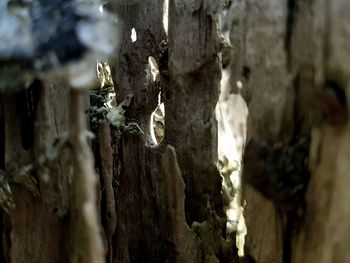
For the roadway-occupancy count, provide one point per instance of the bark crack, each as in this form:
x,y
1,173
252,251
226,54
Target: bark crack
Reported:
x,y
290,23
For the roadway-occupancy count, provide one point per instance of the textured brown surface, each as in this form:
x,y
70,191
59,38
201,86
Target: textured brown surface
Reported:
x,y
292,49
151,222
190,100
36,228
284,52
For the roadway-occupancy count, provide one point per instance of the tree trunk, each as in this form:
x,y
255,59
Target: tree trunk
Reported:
x,y
289,55
32,121
151,189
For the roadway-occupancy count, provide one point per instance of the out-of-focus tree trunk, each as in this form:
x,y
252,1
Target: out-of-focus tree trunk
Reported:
x,y
48,184
288,55
54,217
32,121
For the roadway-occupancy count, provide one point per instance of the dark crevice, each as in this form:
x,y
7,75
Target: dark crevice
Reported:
x,y
327,35
246,72
296,114
247,259
335,88
2,248
290,23
333,102
2,137
27,106
287,240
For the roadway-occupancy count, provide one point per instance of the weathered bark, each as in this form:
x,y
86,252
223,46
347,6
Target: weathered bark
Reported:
x,y
190,100
159,203
141,225
151,223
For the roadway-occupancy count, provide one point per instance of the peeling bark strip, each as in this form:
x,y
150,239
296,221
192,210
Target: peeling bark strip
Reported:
x,y
87,244
203,242
184,241
190,102
106,154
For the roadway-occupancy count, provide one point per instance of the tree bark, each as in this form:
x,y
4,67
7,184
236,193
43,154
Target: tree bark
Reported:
x,y
140,213
150,188
194,80
163,203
